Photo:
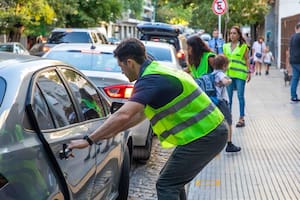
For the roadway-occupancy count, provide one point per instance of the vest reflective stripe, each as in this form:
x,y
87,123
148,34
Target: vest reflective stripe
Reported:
x,y
177,106
237,67
203,65
187,117
189,122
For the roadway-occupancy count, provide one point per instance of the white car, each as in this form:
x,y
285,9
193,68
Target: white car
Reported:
x,y
14,47
163,52
98,63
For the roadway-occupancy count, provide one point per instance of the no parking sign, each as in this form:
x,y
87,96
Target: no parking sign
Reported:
x,y
219,7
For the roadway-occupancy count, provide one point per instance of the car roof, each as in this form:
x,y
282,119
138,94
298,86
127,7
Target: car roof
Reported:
x,y
82,46
72,30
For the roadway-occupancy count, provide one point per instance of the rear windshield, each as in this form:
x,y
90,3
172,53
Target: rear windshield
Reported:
x,y
69,37
2,89
102,61
160,38
8,48
160,54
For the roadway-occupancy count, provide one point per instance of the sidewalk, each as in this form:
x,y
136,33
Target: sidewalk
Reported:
x,y
268,166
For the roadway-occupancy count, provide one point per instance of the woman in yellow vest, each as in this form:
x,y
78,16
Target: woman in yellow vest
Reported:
x,y
238,69
200,57
181,115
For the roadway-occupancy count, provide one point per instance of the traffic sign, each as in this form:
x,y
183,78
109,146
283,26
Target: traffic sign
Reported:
x,y
219,7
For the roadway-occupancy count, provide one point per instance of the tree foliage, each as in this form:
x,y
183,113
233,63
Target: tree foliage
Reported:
x,y
240,12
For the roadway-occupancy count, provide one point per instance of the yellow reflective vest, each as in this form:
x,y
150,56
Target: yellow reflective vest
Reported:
x,y
237,67
203,66
187,117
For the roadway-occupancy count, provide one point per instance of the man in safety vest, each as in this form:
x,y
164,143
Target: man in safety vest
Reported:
x,y
181,115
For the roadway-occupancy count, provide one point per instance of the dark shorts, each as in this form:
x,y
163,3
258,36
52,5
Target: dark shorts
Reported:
x,y
267,63
224,108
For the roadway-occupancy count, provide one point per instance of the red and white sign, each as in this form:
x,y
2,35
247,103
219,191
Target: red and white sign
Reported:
x,y
219,7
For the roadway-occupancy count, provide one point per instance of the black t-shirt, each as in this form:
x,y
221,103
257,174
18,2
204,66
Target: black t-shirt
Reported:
x,y
155,90
295,49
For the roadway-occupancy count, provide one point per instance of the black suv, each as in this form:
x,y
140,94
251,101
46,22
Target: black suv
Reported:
x,y
161,32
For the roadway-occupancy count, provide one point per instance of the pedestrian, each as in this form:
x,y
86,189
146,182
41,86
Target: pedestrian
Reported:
x,y
200,57
221,81
268,58
181,116
295,62
238,69
216,43
258,48
248,40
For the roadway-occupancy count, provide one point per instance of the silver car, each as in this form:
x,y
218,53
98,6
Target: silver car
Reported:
x,y
14,47
43,105
98,63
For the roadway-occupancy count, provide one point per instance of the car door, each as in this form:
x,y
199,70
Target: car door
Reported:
x,y
59,121
106,152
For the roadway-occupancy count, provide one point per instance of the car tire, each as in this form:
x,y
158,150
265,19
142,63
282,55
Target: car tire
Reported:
x,y
143,153
124,179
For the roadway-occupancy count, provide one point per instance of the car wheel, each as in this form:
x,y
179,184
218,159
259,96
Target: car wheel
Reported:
x,y
142,153
124,179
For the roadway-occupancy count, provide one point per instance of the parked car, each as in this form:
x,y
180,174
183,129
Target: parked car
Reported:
x,y
161,32
162,52
45,105
14,47
67,35
98,63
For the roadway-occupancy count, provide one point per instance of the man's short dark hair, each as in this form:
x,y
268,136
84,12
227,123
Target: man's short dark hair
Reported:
x,y
131,48
298,25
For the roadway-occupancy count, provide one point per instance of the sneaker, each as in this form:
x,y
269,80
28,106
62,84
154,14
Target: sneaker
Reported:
x,y
232,148
295,99
267,72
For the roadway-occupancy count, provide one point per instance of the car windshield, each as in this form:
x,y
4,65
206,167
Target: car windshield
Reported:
x,y
160,54
69,37
101,61
2,89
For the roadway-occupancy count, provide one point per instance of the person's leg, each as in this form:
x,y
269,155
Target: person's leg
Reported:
x,y
241,97
259,67
256,67
230,92
295,80
179,171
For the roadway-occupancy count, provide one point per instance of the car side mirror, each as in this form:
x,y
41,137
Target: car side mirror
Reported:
x,y
115,106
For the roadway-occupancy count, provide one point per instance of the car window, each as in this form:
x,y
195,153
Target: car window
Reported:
x,y
160,54
57,98
99,61
171,40
41,110
2,89
8,48
94,36
69,37
85,95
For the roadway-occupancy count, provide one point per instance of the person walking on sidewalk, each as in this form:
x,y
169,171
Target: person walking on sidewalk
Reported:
x,y
216,43
222,80
268,58
295,62
181,115
258,49
200,57
238,69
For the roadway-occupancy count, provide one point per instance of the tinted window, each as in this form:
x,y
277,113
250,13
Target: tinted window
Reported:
x,y
69,37
86,95
57,98
2,89
94,61
8,48
160,54
41,110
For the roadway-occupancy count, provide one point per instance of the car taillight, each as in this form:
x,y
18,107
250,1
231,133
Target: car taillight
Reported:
x,y
119,91
45,49
180,55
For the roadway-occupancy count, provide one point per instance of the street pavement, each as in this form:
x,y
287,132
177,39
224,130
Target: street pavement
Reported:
x,y
268,166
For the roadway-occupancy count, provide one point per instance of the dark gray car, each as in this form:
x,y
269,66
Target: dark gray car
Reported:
x,y
43,105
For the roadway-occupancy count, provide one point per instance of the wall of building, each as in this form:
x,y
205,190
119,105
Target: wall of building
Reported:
x,y
286,9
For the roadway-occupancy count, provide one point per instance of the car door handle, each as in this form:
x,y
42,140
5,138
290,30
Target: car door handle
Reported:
x,y
65,153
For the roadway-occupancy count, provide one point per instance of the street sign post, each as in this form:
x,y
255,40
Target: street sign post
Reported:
x,y
219,7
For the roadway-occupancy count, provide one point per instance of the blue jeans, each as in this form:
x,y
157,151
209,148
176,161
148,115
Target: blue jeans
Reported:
x,y
186,161
295,80
239,85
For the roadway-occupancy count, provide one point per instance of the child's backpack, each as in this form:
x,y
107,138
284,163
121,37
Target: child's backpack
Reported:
x,y
207,84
